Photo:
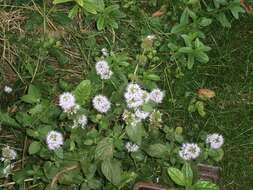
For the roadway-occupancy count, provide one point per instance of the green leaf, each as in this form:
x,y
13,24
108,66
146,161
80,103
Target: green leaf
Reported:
x,y
221,17
101,22
33,95
61,1
94,184
80,2
200,108
188,174
34,147
135,133
177,176
112,171
201,56
184,19
59,153
187,50
82,92
235,9
73,12
178,28
205,185
216,154
5,119
90,7
104,149
157,150
205,21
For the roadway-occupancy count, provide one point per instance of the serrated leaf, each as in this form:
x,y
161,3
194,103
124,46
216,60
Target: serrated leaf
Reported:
x,y
82,92
5,119
157,150
135,133
177,176
104,149
112,171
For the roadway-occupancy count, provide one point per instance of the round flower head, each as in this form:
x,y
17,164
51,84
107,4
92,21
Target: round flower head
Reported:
x,y
105,52
8,153
54,140
141,114
67,101
103,70
215,140
131,147
189,151
134,95
156,95
7,89
101,103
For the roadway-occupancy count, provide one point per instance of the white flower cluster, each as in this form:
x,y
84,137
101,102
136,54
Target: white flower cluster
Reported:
x,y
189,151
156,95
215,140
103,70
67,101
131,147
101,103
135,96
80,121
54,140
8,154
8,89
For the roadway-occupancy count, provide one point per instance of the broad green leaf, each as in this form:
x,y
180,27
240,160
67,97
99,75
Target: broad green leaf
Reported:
x,y
188,174
112,171
200,108
101,22
187,50
205,185
177,176
5,119
184,19
90,7
34,147
178,28
82,92
94,183
104,149
201,56
33,95
205,21
216,154
157,150
135,133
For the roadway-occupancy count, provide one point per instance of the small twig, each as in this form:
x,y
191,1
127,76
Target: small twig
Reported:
x,y
58,175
